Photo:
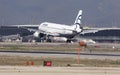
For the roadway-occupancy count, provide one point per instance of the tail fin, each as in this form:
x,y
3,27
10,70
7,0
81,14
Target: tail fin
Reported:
x,y
78,18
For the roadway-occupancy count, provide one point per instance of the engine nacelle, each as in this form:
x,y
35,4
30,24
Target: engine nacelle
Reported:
x,y
36,34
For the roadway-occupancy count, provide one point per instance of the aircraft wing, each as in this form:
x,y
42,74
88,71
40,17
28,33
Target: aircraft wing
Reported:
x,y
20,26
94,30
31,28
85,31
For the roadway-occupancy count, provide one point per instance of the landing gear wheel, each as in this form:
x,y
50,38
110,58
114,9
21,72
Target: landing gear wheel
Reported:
x,y
68,41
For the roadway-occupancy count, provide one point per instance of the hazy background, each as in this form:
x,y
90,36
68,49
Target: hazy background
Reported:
x,y
96,13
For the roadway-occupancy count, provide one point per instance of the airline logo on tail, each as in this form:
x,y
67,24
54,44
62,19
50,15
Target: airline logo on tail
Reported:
x,y
78,18
77,22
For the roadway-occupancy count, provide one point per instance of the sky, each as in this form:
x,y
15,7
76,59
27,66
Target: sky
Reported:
x,y
96,13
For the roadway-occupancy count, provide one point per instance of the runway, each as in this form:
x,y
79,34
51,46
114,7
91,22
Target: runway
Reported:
x,y
95,55
30,70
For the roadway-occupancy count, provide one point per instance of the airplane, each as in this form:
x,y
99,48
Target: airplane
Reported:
x,y
60,30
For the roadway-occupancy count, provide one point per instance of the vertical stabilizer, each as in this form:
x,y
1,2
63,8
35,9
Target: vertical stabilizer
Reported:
x,y
78,18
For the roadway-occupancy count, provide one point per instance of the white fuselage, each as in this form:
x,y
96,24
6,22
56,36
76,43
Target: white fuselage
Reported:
x,y
56,29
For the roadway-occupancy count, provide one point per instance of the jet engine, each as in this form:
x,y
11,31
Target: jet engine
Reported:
x,y
36,34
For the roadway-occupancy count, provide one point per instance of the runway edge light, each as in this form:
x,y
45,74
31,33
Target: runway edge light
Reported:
x,y
47,63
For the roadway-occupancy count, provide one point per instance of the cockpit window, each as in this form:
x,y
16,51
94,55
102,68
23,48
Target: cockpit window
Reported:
x,y
45,24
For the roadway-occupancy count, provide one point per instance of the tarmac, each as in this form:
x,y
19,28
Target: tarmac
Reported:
x,y
40,70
